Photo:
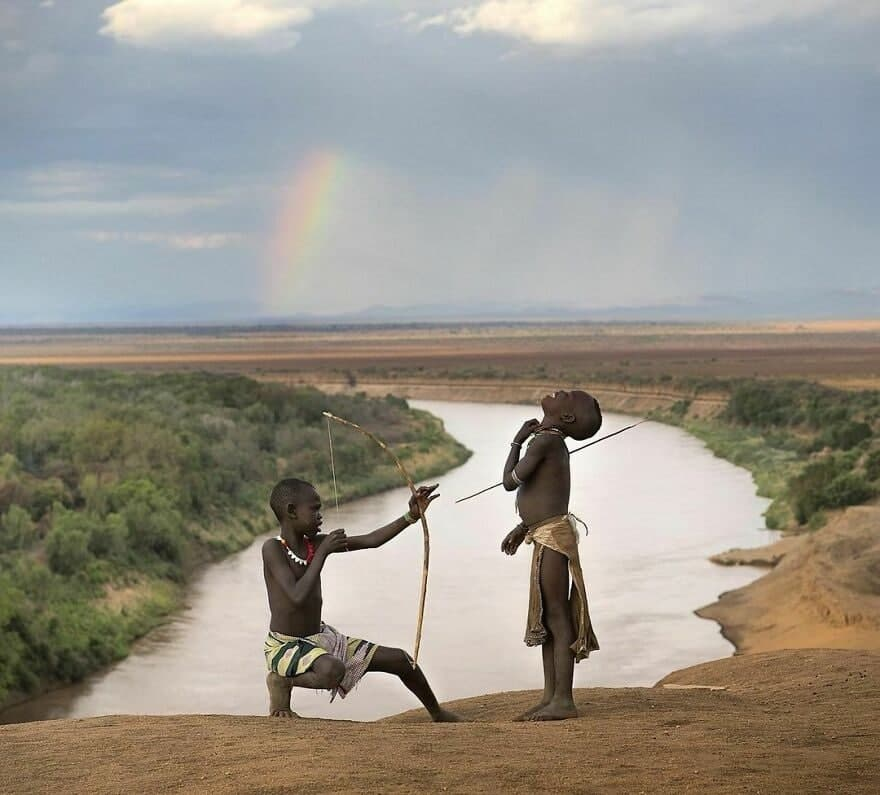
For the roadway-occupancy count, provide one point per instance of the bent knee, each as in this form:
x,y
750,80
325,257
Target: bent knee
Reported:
x,y
330,670
397,661
401,659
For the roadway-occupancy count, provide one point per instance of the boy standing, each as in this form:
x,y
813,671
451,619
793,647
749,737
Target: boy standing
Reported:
x,y
301,650
557,621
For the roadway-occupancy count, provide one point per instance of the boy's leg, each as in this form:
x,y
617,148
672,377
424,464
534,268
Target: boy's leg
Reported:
x,y
557,616
547,658
279,695
325,674
549,680
398,662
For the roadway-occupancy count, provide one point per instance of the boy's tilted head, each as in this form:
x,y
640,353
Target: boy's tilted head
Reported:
x,y
576,412
297,505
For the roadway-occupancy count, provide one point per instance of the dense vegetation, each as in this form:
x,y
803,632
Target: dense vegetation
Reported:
x,y
810,447
113,487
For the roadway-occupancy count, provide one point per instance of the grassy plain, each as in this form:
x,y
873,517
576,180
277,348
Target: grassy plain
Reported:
x,y
844,354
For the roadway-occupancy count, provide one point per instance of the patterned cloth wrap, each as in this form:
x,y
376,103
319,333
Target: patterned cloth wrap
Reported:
x,y
287,655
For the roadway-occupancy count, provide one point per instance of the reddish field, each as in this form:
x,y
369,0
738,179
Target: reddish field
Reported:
x,y
844,354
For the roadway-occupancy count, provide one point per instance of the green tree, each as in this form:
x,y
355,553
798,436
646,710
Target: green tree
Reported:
x,y
153,524
67,550
17,529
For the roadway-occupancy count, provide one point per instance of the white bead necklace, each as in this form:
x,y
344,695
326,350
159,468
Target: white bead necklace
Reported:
x,y
291,554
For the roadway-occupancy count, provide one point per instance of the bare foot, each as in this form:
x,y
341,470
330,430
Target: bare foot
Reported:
x,y
283,713
529,712
279,696
555,710
445,716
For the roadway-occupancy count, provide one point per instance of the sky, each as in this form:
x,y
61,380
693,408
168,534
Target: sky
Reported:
x,y
240,160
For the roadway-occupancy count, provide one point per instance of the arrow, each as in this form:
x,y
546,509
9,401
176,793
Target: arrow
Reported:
x,y
570,452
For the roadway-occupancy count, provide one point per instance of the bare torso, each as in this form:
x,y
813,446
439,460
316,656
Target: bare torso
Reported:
x,y
286,618
546,492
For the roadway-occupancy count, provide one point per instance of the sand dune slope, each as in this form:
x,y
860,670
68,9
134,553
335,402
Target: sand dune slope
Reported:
x,y
825,592
796,721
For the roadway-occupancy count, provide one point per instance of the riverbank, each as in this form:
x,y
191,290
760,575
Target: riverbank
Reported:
x,y
823,590
794,721
613,396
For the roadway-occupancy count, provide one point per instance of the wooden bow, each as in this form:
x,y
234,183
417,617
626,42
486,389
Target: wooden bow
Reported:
x,y
425,533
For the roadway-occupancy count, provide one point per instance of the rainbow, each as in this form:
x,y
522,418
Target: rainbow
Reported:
x,y
300,225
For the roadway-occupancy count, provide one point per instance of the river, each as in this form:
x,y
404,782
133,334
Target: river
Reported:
x,y
657,503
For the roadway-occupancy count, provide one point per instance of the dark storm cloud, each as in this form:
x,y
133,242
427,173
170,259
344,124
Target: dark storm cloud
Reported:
x,y
644,173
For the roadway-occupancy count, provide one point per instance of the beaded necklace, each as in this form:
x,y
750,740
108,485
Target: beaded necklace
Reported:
x,y
310,551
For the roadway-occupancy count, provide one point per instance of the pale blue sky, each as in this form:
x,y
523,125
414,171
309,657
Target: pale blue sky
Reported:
x,y
583,153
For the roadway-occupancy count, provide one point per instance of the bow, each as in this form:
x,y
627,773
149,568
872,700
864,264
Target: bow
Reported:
x,y
425,534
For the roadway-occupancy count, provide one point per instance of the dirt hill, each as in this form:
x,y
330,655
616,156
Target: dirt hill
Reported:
x,y
789,721
824,590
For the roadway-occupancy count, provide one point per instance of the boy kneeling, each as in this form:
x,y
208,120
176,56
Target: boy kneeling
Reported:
x,y
301,650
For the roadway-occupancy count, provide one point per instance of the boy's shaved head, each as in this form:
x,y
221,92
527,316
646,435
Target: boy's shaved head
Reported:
x,y
290,491
575,412
588,415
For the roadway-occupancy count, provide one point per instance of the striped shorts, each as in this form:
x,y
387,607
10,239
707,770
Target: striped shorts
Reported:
x,y
288,655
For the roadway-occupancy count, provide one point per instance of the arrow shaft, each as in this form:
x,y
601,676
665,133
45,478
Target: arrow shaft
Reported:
x,y
571,452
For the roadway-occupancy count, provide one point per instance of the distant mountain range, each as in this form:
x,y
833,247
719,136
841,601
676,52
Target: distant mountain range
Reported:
x,y
792,305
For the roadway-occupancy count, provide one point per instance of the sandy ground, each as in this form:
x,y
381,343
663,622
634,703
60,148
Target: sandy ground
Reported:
x,y
824,592
796,721
764,557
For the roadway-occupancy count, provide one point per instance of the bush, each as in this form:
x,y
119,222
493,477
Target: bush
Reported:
x,y
872,465
847,435
67,550
847,489
761,405
826,484
17,529
153,525
108,538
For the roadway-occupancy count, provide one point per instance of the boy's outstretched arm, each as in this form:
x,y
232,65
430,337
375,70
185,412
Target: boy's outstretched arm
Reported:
x,y
297,589
423,497
517,471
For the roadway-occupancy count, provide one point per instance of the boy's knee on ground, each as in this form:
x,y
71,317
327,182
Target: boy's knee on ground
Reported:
x,y
330,670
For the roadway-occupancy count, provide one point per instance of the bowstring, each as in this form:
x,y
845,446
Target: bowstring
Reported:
x,y
333,467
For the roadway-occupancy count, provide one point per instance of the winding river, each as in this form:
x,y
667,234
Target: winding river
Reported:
x,y
657,503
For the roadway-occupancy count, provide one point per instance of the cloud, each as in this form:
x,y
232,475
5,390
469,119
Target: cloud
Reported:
x,y
70,188
180,242
164,23
65,179
619,22
147,204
